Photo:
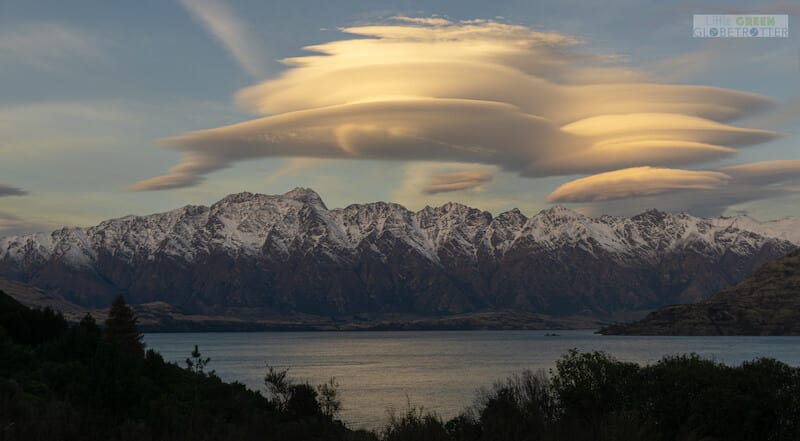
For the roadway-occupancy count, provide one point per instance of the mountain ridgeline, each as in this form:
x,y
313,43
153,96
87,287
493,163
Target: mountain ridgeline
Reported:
x,y
290,253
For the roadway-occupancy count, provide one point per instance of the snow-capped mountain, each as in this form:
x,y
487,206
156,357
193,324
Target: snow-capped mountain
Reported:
x,y
291,253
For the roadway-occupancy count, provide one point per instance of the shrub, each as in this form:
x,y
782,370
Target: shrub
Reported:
x,y
415,425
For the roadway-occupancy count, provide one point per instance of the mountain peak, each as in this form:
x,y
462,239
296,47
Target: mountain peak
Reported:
x,y
451,207
651,214
238,197
512,212
561,211
306,195
513,216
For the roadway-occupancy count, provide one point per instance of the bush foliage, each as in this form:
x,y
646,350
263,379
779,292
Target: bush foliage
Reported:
x,y
83,383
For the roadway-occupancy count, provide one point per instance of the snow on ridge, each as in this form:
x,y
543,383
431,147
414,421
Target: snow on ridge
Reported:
x,y
787,228
360,222
74,249
454,226
240,224
36,245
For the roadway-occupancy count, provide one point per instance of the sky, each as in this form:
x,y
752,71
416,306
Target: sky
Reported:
x,y
116,108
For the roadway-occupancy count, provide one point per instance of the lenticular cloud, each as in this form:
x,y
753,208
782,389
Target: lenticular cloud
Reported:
x,y
463,180
635,182
478,92
703,192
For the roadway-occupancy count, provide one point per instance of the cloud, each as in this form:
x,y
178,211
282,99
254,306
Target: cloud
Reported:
x,y
33,114
476,92
702,192
418,175
46,45
186,174
231,31
11,225
432,21
36,130
767,172
634,182
7,190
9,222
783,116
455,181
292,166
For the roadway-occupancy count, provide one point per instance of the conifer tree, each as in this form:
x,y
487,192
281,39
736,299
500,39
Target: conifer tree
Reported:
x,y
120,328
197,363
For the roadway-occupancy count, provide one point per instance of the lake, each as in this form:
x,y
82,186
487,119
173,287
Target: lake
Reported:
x,y
440,370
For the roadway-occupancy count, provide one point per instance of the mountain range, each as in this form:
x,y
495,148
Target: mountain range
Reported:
x,y
268,255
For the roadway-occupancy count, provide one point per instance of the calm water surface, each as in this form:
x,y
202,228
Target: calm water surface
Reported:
x,y
440,370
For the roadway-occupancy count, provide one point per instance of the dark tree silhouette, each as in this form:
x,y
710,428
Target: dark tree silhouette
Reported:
x,y
89,325
120,328
197,363
303,401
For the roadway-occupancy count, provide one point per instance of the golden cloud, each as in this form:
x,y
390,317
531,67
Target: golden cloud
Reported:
x,y
478,92
634,182
455,181
706,192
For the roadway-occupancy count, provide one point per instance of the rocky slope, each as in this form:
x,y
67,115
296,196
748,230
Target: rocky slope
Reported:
x,y
163,317
253,254
767,303
36,298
